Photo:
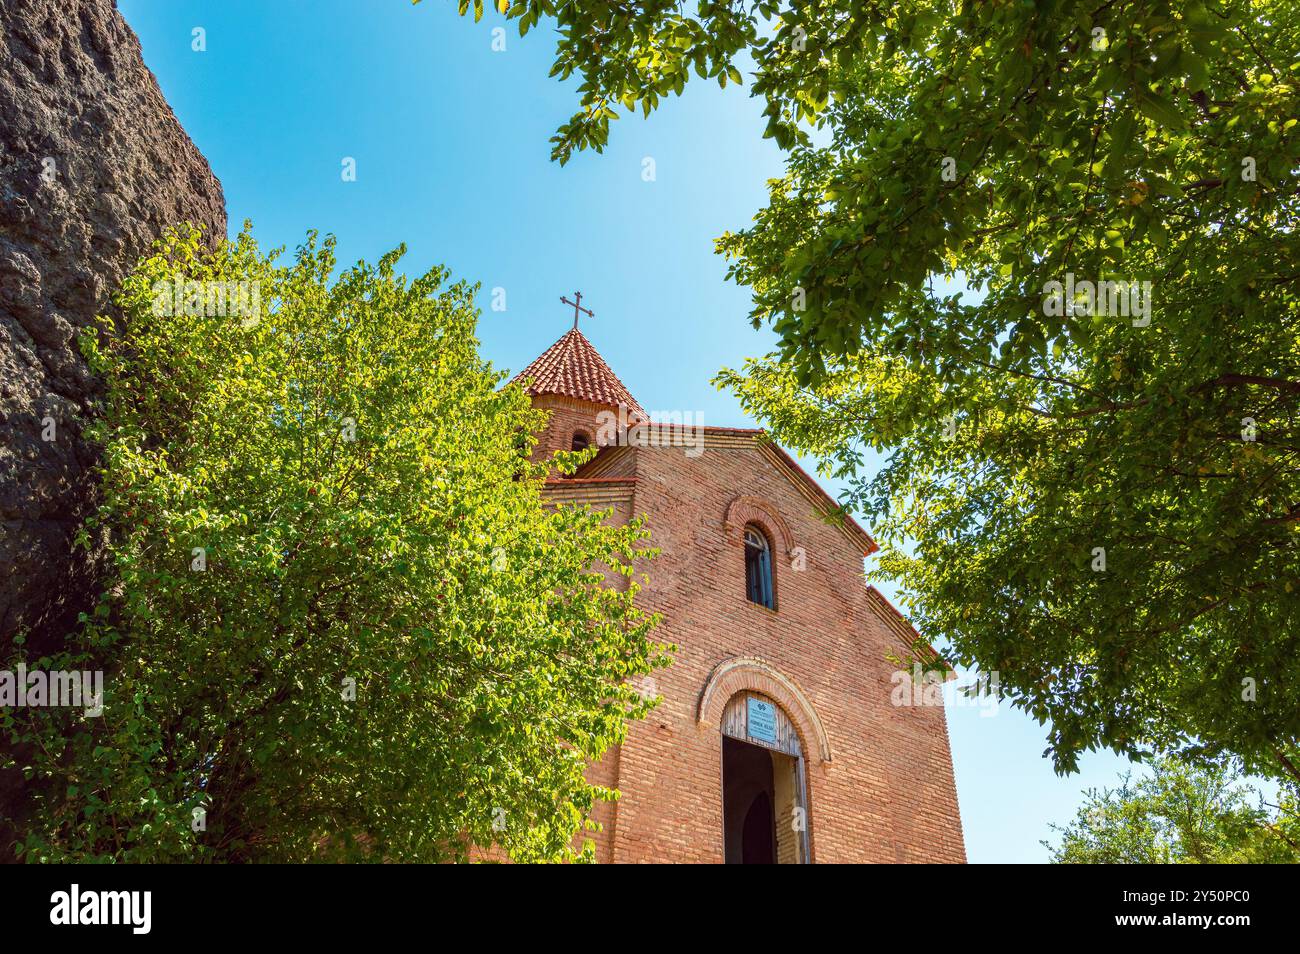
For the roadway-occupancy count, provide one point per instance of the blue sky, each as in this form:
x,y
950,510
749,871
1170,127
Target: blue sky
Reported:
x,y
451,151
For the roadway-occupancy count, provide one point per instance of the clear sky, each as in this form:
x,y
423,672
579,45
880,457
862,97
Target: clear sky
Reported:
x,y
450,144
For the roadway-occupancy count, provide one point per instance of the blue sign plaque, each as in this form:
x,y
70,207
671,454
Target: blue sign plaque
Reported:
x,y
762,720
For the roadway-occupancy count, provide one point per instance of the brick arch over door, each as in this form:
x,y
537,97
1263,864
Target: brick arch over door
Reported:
x,y
749,672
744,510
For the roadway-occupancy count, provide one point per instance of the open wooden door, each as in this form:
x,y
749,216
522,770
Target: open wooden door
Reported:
x,y
760,723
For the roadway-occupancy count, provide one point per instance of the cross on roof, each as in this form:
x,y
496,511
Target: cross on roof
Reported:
x,y
577,307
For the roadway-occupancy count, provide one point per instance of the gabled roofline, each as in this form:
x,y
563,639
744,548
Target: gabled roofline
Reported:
x,y
819,497
759,439
903,627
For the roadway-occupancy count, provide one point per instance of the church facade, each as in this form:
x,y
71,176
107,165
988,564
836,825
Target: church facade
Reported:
x,y
776,740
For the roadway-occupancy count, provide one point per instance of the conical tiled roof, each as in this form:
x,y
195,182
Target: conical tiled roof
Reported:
x,y
574,368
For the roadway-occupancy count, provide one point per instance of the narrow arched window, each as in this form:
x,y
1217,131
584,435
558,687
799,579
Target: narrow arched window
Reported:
x,y
580,441
758,568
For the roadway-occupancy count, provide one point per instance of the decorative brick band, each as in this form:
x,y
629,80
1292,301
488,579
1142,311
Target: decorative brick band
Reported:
x,y
741,673
744,509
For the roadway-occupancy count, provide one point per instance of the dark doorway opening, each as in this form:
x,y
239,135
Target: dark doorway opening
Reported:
x,y
748,797
758,835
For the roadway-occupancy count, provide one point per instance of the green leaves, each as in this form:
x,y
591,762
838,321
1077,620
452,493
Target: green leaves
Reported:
x,y
1181,813
1160,110
1160,154
633,55
391,637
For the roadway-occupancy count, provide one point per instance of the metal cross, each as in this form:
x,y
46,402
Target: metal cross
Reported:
x,y
577,307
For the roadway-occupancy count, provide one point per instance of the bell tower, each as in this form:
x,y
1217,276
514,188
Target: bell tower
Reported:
x,y
586,399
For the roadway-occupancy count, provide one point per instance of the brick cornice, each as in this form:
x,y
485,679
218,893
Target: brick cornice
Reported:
x,y
751,673
598,493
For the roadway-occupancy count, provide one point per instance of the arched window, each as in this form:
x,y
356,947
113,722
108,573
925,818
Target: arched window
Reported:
x,y
758,568
580,441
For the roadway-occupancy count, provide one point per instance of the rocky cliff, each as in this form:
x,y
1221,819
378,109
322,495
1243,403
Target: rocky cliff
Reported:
x,y
93,166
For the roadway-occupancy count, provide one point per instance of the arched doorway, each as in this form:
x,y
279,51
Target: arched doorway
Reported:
x,y
764,801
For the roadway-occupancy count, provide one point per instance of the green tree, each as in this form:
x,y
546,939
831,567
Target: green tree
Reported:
x,y
1180,814
344,625
1103,507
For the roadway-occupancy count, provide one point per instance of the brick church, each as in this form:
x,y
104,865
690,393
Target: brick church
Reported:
x,y
775,740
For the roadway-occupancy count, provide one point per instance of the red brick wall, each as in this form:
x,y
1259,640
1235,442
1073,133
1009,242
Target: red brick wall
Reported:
x,y
567,415
887,794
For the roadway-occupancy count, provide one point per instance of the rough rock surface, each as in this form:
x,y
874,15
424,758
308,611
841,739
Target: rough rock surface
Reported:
x,y
93,167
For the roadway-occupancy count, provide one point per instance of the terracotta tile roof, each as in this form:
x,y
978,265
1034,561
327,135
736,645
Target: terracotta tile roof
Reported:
x,y
574,368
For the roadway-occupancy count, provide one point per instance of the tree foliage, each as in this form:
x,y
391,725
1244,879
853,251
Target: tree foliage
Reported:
x,y
1180,814
343,623
1103,507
